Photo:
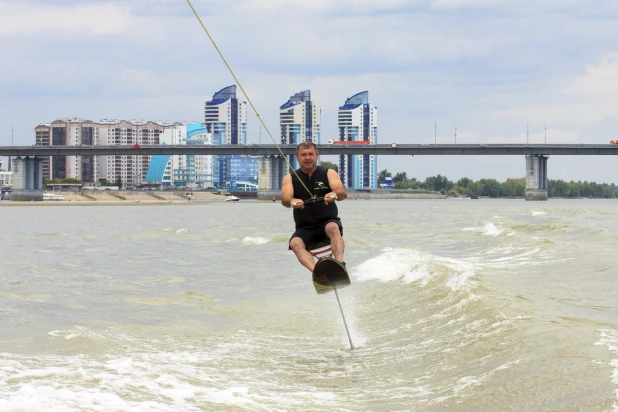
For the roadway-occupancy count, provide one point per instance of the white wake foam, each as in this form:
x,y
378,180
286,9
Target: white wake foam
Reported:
x,y
255,240
413,266
488,230
609,339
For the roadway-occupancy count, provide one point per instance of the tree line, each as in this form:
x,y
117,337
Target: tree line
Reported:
x,y
512,187
58,180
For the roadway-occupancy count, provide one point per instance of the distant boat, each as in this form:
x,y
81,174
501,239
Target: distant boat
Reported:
x,y
52,196
232,198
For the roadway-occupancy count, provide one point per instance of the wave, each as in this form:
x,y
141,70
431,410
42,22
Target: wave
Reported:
x,y
489,229
255,240
609,339
414,266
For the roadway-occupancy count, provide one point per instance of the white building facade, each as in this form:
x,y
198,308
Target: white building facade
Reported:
x,y
358,124
128,171
300,121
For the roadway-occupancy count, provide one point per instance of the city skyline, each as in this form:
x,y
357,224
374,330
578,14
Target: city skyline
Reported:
x,y
484,70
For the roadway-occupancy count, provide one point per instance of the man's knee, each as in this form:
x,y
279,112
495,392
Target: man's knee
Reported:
x,y
297,244
332,230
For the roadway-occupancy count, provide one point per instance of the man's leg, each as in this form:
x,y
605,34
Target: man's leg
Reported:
x,y
302,254
333,232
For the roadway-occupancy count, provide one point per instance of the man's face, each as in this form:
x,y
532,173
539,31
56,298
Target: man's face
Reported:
x,y
307,159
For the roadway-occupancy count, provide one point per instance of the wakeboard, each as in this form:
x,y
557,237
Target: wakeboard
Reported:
x,y
329,274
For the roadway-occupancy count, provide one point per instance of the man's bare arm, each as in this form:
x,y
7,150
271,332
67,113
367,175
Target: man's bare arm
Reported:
x,y
287,193
336,186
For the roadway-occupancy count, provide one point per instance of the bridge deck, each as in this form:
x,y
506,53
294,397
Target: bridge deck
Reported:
x,y
269,150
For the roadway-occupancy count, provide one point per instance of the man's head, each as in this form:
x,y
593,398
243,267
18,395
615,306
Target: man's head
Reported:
x,y
306,146
307,156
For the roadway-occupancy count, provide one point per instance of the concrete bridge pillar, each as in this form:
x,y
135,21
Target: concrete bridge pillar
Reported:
x,y
271,170
536,177
27,179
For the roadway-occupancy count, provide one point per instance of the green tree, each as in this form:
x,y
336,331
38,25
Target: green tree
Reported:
x,y
464,181
457,191
475,188
574,189
330,165
382,175
439,183
400,177
514,187
608,191
58,180
491,187
408,184
558,188
65,180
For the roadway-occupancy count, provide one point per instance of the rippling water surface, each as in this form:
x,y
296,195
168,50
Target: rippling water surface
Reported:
x,y
454,305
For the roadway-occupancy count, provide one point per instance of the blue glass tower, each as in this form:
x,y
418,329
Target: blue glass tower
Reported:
x,y
226,118
358,123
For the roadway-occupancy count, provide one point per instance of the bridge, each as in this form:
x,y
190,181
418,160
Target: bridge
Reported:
x,y
339,149
29,176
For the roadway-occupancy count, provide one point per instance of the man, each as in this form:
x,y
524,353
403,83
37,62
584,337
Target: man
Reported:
x,y
316,222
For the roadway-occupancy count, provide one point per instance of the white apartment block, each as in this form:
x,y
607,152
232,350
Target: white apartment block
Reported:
x,y
226,117
128,170
299,121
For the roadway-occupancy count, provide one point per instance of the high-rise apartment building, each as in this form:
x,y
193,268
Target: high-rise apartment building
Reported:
x,y
300,119
358,124
226,118
68,132
129,171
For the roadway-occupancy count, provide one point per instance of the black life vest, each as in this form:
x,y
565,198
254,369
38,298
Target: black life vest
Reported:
x,y
317,183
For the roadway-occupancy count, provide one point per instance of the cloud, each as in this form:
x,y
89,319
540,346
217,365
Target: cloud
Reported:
x,y
583,98
328,6
530,7
599,80
94,19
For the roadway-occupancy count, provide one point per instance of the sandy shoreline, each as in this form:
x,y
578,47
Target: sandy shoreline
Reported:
x,y
128,198
125,198
129,201
105,203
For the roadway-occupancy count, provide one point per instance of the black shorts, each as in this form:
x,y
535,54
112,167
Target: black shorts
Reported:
x,y
315,234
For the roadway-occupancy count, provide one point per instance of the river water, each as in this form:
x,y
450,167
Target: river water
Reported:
x,y
490,305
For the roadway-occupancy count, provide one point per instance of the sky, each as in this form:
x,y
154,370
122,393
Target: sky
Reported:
x,y
449,71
